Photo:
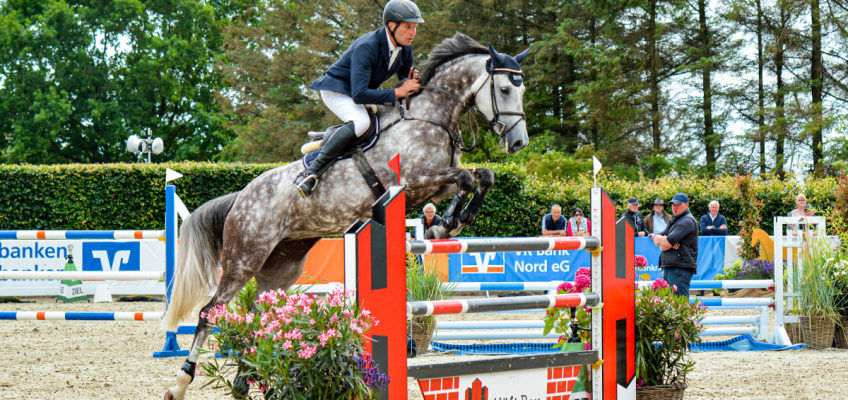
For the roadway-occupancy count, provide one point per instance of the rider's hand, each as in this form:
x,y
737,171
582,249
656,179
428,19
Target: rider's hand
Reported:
x,y
408,87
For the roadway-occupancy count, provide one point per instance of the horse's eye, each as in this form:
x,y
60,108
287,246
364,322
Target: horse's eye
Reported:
x,y
505,90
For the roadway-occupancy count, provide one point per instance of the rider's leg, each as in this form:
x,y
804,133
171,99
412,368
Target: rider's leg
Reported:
x,y
339,141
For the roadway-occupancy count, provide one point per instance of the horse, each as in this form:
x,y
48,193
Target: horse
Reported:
x,y
266,230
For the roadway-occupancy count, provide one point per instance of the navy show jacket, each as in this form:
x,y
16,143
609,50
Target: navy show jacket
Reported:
x,y
364,67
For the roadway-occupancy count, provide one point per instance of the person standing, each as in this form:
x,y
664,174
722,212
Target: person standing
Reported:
x,y
679,246
635,217
430,218
657,221
713,224
553,224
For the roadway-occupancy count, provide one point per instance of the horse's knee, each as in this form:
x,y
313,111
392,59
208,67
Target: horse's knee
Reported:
x,y
465,181
485,177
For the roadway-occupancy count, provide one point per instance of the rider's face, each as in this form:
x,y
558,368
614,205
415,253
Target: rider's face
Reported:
x,y
404,33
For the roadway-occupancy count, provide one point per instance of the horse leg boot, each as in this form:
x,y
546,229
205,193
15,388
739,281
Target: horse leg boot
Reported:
x,y
185,376
334,146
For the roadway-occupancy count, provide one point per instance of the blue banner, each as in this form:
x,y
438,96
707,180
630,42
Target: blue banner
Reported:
x,y
546,266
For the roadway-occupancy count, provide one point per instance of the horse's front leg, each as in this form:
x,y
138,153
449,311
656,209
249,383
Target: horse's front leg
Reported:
x,y
485,179
433,176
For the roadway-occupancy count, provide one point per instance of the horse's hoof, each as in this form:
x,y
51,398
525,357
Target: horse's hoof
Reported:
x,y
168,395
240,387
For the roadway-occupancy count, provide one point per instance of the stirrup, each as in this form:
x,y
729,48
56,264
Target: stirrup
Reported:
x,y
300,186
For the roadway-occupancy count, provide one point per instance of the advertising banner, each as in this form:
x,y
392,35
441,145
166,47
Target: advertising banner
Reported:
x,y
89,255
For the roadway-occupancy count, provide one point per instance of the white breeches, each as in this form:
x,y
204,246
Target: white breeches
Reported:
x,y
343,106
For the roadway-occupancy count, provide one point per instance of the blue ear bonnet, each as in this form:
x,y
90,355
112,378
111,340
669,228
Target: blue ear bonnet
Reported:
x,y
500,63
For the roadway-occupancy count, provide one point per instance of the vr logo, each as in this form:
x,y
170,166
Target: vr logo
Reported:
x,y
121,257
110,256
478,263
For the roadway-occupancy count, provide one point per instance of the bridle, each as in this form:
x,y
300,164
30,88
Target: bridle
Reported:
x,y
456,140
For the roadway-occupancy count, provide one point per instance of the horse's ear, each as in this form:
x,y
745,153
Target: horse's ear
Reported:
x,y
496,58
520,57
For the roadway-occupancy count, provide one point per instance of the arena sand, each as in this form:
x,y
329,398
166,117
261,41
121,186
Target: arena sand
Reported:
x,y
113,360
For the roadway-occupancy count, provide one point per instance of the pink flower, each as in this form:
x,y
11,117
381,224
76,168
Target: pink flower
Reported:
x,y
641,261
660,284
583,271
307,352
287,345
587,346
565,287
582,282
675,288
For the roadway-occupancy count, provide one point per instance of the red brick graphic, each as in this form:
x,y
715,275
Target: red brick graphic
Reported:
x,y
561,382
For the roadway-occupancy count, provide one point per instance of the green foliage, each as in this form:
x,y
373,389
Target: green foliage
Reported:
x,y
79,77
665,327
814,283
750,208
109,196
424,283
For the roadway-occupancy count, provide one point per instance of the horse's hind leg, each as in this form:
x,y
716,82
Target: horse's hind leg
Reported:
x,y
239,267
281,270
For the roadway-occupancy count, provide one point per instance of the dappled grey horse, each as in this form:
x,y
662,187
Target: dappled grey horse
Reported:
x,y
266,230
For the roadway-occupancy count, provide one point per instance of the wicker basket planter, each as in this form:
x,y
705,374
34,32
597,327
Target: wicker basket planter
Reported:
x,y
793,330
422,332
840,335
818,331
748,293
661,392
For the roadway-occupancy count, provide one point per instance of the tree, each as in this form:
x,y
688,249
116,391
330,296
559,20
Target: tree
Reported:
x,y
78,78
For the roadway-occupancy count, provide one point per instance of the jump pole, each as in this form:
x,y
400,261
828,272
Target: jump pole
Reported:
x,y
375,266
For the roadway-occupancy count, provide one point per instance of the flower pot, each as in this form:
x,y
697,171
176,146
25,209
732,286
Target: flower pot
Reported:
x,y
748,293
840,334
661,392
422,332
818,331
793,330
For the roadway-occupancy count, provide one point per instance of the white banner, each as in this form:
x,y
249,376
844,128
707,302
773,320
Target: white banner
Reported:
x,y
88,255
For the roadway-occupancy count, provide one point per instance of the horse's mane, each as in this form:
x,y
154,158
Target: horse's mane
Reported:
x,y
449,49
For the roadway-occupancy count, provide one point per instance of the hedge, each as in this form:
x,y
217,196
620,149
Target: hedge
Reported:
x,y
131,196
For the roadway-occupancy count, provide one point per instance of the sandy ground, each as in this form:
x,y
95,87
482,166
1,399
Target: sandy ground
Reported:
x,y
113,360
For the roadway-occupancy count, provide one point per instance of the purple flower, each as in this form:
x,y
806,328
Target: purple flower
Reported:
x,y
640,383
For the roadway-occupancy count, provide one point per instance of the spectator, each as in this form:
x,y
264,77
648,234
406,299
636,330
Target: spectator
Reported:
x,y
578,225
713,224
553,224
657,221
430,218
679,246
799,211
635,217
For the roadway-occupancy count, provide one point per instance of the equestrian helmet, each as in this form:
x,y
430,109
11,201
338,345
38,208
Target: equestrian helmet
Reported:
x,y
401,11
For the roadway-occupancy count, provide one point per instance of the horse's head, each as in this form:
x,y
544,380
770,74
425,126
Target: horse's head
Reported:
x,y
501,98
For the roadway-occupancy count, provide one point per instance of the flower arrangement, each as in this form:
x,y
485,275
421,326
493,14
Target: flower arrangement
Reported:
x,y
295,345
665,327
564,321
641,261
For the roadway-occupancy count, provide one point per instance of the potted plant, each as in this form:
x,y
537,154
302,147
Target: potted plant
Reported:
x,y
816,293
837,266
423,284
666,325
293,345
754,269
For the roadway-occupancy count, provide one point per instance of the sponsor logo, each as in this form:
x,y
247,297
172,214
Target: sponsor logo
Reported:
x,y
111,256
483,263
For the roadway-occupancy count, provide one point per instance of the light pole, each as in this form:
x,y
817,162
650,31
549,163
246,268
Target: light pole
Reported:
x,y
149,145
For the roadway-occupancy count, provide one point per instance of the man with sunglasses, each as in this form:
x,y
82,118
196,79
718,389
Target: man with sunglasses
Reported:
x,y
679,246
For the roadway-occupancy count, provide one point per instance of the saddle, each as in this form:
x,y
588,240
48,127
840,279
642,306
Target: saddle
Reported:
x,y
356,151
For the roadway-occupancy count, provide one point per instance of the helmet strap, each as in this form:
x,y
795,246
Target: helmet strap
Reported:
x,y
392,31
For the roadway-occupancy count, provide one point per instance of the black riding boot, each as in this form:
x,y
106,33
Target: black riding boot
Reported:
x,y
334,147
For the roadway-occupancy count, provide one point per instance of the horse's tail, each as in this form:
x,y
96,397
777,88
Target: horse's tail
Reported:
x,y
196,273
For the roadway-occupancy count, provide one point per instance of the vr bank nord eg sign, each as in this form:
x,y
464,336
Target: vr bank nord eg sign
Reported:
x,y
517,266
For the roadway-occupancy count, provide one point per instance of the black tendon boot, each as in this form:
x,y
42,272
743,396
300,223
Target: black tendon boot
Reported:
x,y
334,147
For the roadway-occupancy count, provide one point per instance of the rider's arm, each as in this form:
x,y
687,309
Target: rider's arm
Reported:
x,y
362,59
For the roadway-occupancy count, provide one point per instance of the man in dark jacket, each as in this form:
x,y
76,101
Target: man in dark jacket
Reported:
x,y
635,217
679,245
713,224
354,81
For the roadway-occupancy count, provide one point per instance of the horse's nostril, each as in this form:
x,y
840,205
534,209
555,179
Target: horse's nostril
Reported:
x,y
519,144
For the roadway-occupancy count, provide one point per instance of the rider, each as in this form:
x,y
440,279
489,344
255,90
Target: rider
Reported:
x,y
353,81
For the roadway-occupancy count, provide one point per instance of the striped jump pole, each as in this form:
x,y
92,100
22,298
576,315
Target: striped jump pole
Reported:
x,y
79,316
448,307
728,284
81,235
476,245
